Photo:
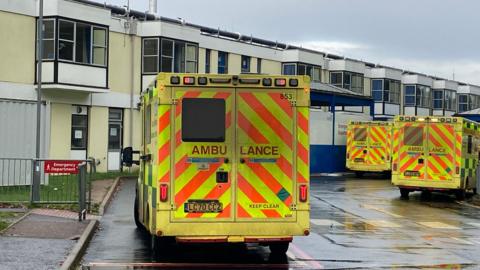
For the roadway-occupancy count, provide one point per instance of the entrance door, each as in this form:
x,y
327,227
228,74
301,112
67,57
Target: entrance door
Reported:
x,y
412,160
115,131
265,154
441,151
203,155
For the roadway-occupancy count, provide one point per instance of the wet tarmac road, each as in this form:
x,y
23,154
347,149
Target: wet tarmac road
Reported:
x,y
356,224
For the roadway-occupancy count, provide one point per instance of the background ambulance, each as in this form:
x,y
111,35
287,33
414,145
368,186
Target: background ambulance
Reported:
x,y
435,154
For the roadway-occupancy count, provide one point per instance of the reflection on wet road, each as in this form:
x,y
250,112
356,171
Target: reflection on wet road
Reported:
x,y
356,223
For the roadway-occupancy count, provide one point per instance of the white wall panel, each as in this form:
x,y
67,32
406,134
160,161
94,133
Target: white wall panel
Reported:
x,y
392,109
82,75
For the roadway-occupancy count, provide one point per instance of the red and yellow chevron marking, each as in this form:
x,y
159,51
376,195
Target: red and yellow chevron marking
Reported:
x,y
441,142
458,150
163,157
303,144
189,181
411,148
265,188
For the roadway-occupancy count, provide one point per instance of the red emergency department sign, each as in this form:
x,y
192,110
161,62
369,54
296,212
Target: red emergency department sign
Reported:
x,y
61,166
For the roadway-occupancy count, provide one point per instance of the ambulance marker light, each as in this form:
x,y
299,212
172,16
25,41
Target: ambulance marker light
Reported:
x,y
163,192
457,170
202,80
434,120
293,82
394,167
280,82
303,193
188,80
267,82
174,80
421,119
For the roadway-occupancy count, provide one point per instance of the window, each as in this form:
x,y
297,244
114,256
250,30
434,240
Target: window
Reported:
x,y
409,95
377,90
48,40
66,40
413,136
99,46
423,96
450,100
391,92
259,65
82,43
289,69
438,99
167,55
203,120
316,74
336,79
79,132
150,55
175,56
463,103
191,58
208,53
469,144
222,63
474,102
360,134
357,83
245,64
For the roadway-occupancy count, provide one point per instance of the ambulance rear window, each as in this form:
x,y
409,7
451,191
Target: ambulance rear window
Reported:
x,y
413,136
360,134
203,120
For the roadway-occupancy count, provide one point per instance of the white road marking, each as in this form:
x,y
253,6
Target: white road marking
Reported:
x,y
438,225
474,224
462,241
325,222
383,224
381,210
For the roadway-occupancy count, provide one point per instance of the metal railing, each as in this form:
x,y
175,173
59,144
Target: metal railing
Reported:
x,y
45,181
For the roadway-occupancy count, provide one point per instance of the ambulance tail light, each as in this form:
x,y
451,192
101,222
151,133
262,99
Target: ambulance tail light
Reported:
x,y
188,80
280,82
303,193
348,155
457,170
394,167
163,192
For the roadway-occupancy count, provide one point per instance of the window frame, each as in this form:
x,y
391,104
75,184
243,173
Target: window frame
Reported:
x,y
308,70
83,128
74,54
248,66
53,39
208,53
225,66
259,65
405,95
151,55
441,99
465,103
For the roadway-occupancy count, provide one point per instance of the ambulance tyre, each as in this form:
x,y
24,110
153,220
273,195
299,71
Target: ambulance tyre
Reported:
x,y
460,194
136,215
359,174
279,248
404,193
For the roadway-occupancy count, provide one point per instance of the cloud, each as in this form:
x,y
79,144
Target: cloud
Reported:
x,y
334,47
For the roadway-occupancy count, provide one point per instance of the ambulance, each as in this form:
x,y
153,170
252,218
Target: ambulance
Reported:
x,y
435,154
225,159
369,146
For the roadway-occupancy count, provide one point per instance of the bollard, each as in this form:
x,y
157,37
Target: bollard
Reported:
x,y
82,187
36,174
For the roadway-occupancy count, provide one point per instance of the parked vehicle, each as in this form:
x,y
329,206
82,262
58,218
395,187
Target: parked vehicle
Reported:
x,y
435,154
369,146
225,159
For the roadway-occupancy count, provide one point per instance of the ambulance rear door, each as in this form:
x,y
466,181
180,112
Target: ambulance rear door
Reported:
x,y
266,154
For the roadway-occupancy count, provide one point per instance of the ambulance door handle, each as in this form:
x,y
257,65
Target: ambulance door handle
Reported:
x,y
242,160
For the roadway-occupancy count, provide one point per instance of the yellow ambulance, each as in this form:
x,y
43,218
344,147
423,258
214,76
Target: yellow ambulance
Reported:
x,y
369,146
435,154
225,159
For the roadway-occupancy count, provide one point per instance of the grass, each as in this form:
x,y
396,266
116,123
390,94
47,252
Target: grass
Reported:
x,y
6,218
61,188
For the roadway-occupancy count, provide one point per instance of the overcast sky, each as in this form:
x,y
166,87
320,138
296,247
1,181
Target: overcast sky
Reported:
x,y
436,37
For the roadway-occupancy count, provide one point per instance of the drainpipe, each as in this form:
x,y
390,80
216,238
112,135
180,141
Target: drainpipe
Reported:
x,y
132,84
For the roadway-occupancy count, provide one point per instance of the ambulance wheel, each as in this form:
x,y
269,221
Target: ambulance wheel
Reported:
x,y
460,194
279,248
404,193
359,174
136,215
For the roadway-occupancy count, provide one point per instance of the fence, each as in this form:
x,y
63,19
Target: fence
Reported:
x,y
45,181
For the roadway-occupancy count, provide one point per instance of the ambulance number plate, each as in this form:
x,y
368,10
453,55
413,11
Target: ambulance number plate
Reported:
x,y
203,206
358,160
412,173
